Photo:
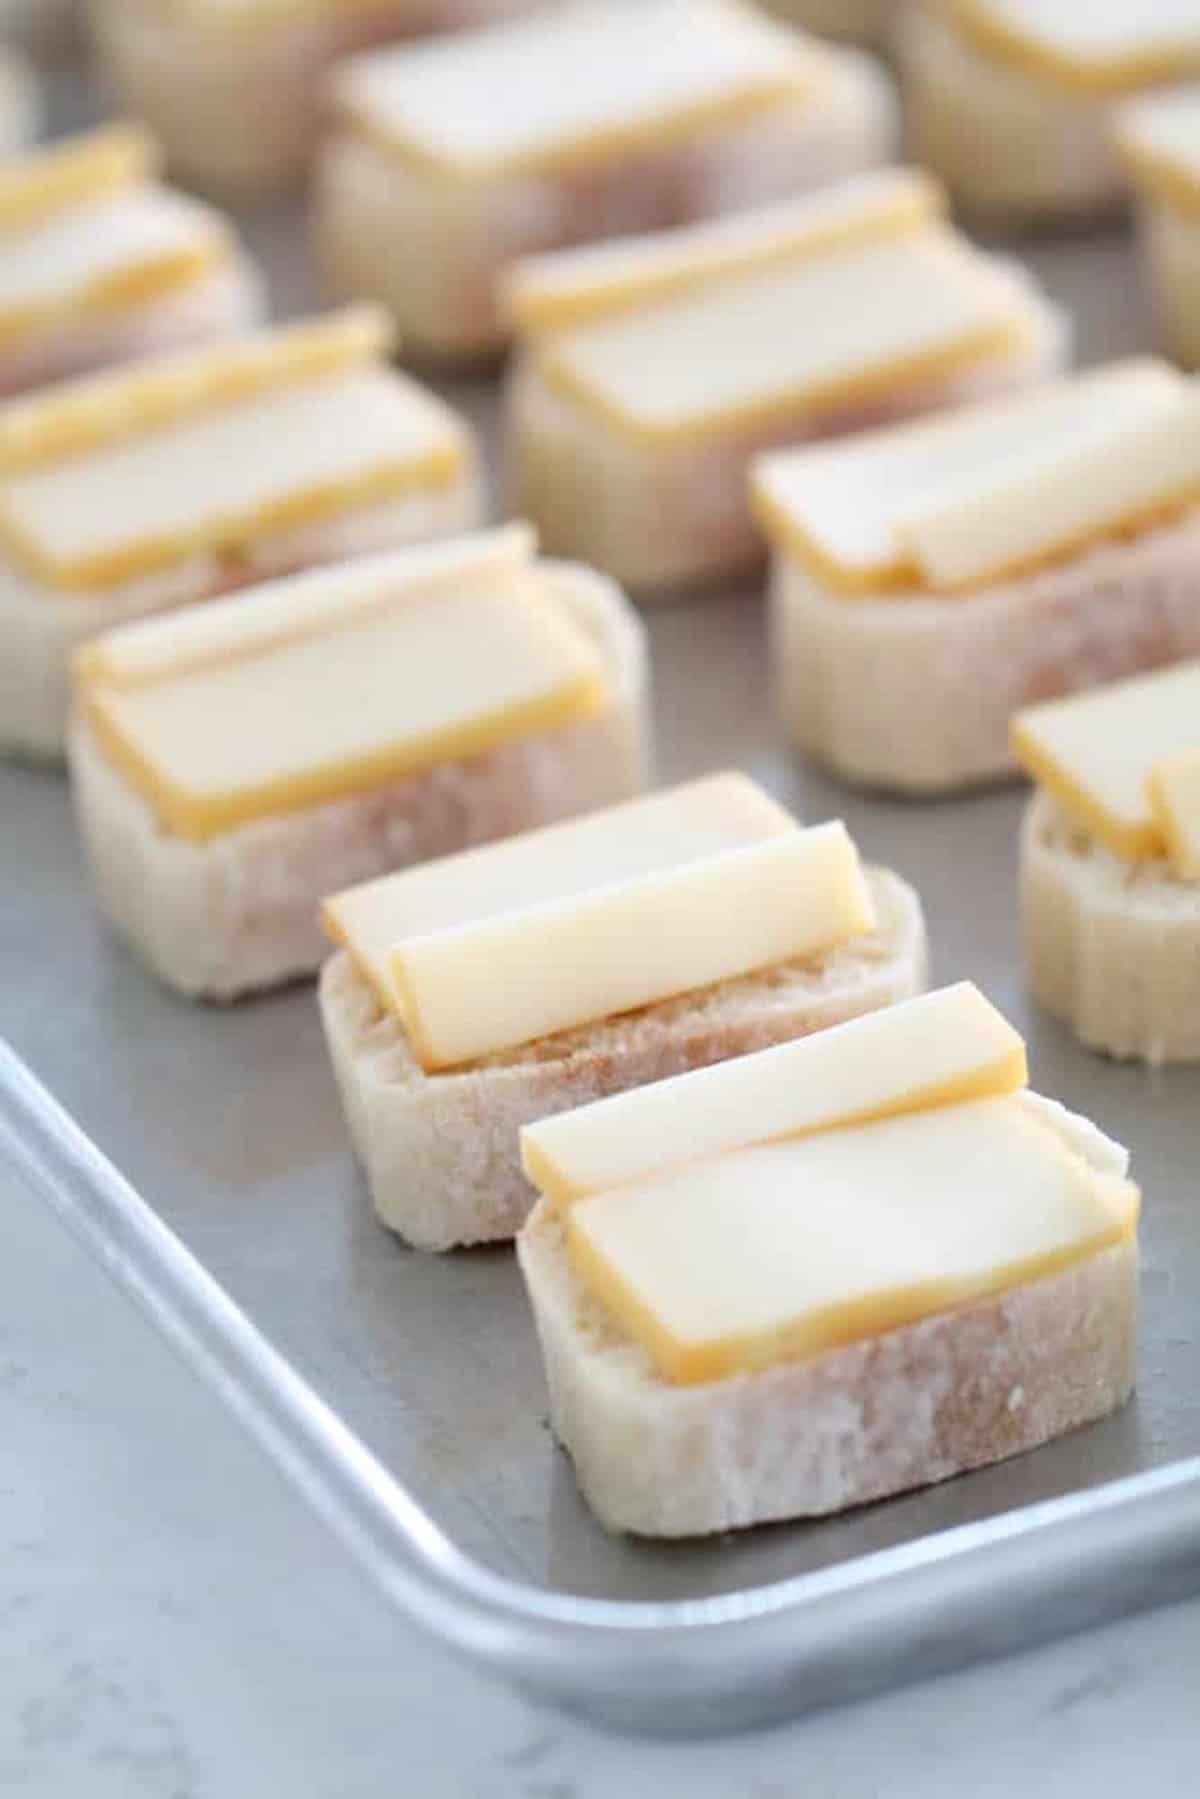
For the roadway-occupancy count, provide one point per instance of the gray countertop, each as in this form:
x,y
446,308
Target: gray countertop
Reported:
x,y
175,1626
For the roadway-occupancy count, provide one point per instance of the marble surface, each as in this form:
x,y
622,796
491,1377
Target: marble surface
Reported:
x,y
173,1625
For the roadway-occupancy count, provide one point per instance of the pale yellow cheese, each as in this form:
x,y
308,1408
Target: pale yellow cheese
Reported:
x,y
829,332
567,287
1095,752
438,674
640,837
784,1252
1093,46
939,1049
1058,499
609,913
61,176
1158,138
278,612
210,483
839,507
73,417
576,83
115,252
1174,786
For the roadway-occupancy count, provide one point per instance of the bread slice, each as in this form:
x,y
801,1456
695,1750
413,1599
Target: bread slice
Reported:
x,y
239,912
945,675
440,1151
913,1406
1112,948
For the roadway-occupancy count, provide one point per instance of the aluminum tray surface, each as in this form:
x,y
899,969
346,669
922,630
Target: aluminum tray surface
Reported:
x,y
227,1123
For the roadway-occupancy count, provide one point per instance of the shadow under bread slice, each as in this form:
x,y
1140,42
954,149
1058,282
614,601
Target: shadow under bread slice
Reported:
x,y
492,989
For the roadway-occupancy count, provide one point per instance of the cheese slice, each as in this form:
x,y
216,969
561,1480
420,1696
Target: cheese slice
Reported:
x,y
840,507
1095,752
210,479
1059,499
1174,787
576,83
1158,138
567,287
828,332
780,1253
600,916
1101,47
432,672
299,606
41,183
936,1050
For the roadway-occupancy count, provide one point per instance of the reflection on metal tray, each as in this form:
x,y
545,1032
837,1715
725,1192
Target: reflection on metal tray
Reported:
x,y
429,1429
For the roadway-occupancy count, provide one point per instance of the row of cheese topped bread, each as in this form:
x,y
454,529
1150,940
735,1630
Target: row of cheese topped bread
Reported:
x,y
478,993
237,761
100,264
651,371
827,1272
959,569
1111,862
1012,101
493,146
142,490
235,89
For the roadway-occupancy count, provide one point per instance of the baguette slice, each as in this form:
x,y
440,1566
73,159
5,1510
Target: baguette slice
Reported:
x,y
913,1406
441,1151
1111,947
238,912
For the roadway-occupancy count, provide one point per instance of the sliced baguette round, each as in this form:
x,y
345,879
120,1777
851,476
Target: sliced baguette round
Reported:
x,y
1112,949
913,1406
239,912
440,1151
946,675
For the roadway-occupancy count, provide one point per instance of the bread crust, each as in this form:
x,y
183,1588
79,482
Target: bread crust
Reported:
x,y
946,675
905,1409
1111,948
440,1151
239,912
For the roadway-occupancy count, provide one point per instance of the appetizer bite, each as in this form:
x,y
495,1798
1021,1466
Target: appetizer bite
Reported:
x,y
450,160
100,265
826,1273
476,994
191,475
234,90
1110,863
962,568
20,102
1011,101
1158,139
235,762
856,21
653,370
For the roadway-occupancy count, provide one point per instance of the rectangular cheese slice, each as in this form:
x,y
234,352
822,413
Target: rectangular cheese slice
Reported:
x,y
840,507
936,1050
827,332
567,287
210,478
1101,46
304,605
1174,785
62,176
600,916
430,673
1158,138
783,1252
1059,498
1095,752
575,82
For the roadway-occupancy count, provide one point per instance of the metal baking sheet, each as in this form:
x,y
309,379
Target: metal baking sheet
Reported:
x,y
406,1395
